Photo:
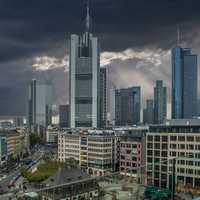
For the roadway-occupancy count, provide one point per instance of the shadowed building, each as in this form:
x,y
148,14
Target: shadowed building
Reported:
x,y
160,103
127,106
148,112
64,115
103,96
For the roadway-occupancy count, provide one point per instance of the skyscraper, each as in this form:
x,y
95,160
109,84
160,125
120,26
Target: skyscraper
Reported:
x,y
84,79
103,97
39,103
127,106
160,102
64,116
148,112
184,83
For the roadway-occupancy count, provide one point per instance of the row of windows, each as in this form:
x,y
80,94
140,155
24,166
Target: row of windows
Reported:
x,y
158,138
99,145
100,150
133,158
133,146
185,146
129,164
104,156
62,155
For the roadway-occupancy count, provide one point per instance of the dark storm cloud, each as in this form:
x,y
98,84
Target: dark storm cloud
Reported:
x,y
30,26
36,28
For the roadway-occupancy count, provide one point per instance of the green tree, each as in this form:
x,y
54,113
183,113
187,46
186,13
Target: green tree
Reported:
x,y
34,139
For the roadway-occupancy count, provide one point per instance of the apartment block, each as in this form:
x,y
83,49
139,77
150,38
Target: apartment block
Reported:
x,y
96,151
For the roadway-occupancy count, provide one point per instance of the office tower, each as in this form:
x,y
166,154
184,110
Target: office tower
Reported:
x,y
160,102
184,83
103,97
39,104
127,106
84,74
64,116
148,112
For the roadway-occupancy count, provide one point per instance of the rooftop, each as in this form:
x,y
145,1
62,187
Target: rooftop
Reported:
x,y
64,175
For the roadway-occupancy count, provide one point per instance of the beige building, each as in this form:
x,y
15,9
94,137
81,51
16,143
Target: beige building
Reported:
x,y
17,141
95,151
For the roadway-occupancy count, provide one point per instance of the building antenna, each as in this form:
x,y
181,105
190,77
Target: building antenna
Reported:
x,y
88,17
178,36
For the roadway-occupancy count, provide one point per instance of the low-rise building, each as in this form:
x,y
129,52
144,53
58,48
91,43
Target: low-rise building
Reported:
x,y
70,184
16,141
52,135
95,151
179,140
132,154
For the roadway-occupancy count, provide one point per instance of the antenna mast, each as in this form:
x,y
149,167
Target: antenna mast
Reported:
x,y
88,17
178,36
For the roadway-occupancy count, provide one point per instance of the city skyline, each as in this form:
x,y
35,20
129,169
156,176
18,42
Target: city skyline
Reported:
x,y
132,59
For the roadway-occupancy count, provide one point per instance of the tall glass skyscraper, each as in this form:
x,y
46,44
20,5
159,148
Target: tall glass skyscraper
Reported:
x,y
40,103
160,102
184,83
84,79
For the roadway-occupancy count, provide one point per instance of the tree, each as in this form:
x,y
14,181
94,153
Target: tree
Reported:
x,y
34,139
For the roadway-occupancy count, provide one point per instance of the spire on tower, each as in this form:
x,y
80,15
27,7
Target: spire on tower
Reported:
x,y
88,17
178,36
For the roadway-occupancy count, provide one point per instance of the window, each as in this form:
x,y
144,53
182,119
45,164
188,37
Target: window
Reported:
x,y
149,152
181,138
164,138
157,153
157,138
164,153
173,138
190,138
164,146
191,147
150,138
157,145
198,138
149,145
149,159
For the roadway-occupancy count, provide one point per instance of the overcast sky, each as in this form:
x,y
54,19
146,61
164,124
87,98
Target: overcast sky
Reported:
x,y
136,37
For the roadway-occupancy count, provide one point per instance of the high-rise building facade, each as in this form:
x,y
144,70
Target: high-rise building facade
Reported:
x,y
84,84
64,117
127,106
148,112
40,103
103,97
184,83
160,102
